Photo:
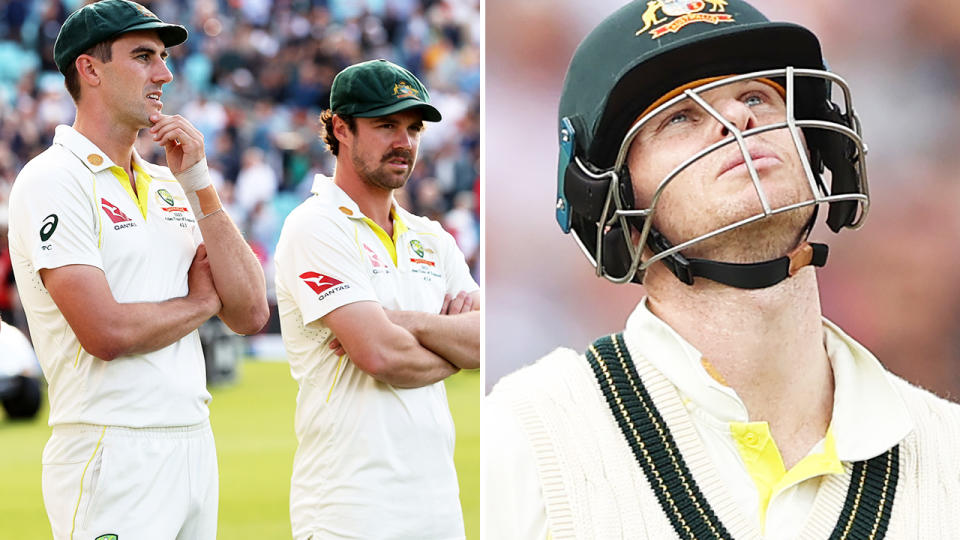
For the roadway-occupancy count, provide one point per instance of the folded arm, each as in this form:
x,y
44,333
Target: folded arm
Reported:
x,y
108,329
454,334
386,351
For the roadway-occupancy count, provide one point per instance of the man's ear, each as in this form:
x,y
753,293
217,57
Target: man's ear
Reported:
x,y
341,130
88,69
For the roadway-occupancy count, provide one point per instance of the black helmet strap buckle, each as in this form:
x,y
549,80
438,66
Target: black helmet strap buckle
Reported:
x,y
741,275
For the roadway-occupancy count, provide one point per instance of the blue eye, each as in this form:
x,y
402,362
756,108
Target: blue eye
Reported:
x,y
676,118
753,100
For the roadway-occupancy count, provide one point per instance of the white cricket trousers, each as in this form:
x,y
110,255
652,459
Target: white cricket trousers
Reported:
x,y
119,483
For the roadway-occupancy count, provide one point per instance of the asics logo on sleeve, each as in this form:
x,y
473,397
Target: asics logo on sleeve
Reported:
x,y
49,225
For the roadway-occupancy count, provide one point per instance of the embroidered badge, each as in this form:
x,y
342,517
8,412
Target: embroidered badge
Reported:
x,y
145,12
95,160
165,196
680,13
417,247
403,90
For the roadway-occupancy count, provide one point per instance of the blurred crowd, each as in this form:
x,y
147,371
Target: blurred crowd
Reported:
x,y
892,284
253,77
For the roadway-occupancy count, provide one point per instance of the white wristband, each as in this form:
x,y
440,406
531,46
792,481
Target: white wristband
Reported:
x,y
195,178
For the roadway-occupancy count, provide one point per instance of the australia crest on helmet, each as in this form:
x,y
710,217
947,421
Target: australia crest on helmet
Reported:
x,y
668,16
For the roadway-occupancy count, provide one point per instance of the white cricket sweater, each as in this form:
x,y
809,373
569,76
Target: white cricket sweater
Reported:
x,y
593,487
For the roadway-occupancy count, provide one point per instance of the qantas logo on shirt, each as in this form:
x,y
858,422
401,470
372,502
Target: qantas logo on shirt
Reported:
x,y
323,285
115,214
374,258
120,220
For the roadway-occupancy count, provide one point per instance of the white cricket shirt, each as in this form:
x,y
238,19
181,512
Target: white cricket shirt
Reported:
x,y
69,206
374,461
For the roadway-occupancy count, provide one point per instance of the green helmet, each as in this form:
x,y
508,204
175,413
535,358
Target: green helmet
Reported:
x,y
649,48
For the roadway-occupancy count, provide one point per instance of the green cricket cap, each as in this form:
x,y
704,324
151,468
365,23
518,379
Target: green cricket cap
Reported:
x,y
103,20
379,88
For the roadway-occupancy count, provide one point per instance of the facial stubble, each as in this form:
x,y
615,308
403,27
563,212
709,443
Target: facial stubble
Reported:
x,y
379,176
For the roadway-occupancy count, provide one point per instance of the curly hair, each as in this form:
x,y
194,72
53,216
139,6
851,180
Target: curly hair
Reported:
x,y
102,51
326,121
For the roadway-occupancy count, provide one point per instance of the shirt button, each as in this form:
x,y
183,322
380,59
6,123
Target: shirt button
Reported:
x,y
750,438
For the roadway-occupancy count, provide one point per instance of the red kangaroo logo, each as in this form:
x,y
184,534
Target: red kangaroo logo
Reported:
x,y
114,213
374,258
319,282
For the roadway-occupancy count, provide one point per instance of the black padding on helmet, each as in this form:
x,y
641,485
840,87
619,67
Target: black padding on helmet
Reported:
x,y
616,255
590,193
838,153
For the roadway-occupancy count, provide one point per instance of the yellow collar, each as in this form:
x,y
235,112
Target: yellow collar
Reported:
x,y
143,180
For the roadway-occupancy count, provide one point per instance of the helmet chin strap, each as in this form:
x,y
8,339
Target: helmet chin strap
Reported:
x,y
740,275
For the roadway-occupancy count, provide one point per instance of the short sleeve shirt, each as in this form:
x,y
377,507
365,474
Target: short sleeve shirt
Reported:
x,y
72,205
374,461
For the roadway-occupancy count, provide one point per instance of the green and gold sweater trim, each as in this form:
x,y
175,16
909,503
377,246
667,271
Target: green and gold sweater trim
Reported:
x,y
866,510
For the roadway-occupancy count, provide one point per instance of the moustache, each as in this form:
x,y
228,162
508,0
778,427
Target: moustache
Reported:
x,y
405,154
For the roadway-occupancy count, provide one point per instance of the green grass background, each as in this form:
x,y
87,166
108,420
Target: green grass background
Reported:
x,y
253,425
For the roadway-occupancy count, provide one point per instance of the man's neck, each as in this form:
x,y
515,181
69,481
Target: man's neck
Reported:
x,y
767,344
374,202
114,140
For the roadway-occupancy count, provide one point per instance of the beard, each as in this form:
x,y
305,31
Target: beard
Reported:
x,y
379,176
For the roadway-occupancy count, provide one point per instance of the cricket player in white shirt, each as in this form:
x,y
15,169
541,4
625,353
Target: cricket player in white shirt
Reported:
x,y
114,279
377,307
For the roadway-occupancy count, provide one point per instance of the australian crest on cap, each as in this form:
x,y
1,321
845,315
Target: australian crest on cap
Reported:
x,y
403,90
144,10
680,13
